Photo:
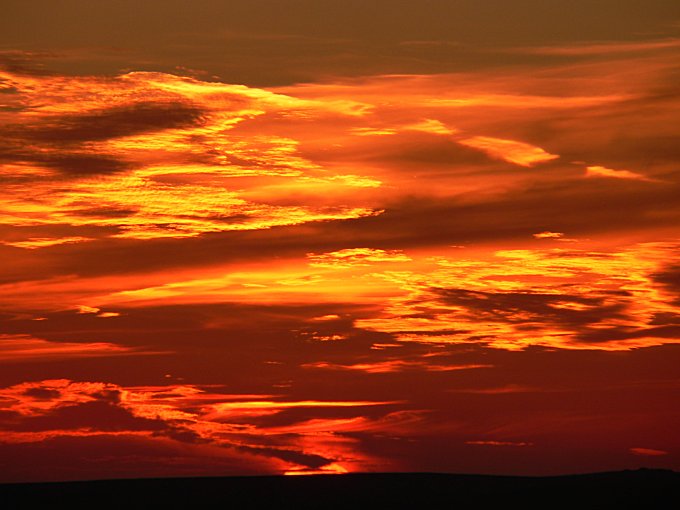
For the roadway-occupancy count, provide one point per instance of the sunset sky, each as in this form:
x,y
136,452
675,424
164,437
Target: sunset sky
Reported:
x,y
248,237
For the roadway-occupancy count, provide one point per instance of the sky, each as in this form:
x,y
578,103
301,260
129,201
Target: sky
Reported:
x,y
300,237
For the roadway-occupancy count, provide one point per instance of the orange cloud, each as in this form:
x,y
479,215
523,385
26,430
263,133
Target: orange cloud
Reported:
x,y
264,407
153,155
549,235
565,298
352,257
365,226
193,416
87,309
396,365
329,317
510,388
557,236
84,309
25,348
557,298
33,243
432,126
519,153
600,171
38,398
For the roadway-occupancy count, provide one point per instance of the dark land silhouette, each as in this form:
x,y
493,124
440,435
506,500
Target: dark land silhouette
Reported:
x,y
644,489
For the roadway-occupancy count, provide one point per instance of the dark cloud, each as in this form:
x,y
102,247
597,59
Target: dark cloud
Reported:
x,y
665,319
121,456
9,418
183,435
99,415
25,62
101,212
138,118
614,334
66,162
42,393
57,142
305,459
582,209
670,279
74,164
409,150
512,307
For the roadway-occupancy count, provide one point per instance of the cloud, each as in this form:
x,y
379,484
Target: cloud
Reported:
x,y
548,235
556,298
87,309
219,158
648,452
47,410
25,62
329,317
264,407
41,397
432,126
134,119
502,390
158,151
33,243
519,153
604,48
498,443
101,416
65,162
395,365
123,455
352,257
600,171
25,349
420,219
669,277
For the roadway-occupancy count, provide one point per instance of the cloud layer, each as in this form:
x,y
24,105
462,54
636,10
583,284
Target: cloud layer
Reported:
x,y
471,271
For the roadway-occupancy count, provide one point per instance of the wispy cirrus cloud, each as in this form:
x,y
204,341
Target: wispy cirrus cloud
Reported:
x,y
33,243
352,257
394,365
25,348
648,452
519,153
604,48
600,171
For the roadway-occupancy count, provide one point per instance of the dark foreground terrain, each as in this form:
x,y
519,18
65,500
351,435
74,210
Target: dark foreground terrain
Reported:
x,y
626,489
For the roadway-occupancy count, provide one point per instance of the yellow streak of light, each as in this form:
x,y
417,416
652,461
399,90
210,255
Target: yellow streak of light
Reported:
x,y
519,153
